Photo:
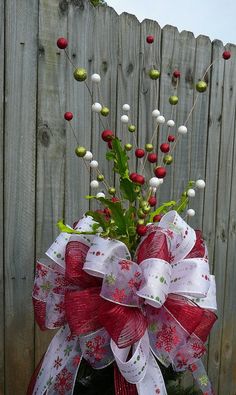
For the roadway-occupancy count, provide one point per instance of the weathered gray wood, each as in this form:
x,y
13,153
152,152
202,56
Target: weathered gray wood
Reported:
x,y
212,160
198,134
1,197
128,77
21,27
222,215
50,135
227,379
148,89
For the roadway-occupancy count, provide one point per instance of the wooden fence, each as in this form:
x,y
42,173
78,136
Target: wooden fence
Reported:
x,y
43,181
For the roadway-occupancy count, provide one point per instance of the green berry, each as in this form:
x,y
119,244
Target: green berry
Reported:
x,y
100,177
131,128
148,147
80,74
112,191
80,151
128,147
173,100
104,111
201,86
154,74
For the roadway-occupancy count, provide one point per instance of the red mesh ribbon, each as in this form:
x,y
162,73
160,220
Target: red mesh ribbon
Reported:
x,y
34,376
75,256
122,387
82,310
198,250
40,313
153,246
125,325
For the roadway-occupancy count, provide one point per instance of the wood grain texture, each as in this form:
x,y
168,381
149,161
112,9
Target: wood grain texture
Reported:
x,y
128,77
21,28
227,379
1,197
150,57
222,217
50,135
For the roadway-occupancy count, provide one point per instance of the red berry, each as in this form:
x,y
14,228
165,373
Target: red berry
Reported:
x,y
133,176
152,158
139,179
157,218
176,74
171,138
160,172
115,199
152,201
62,43
150,39
165,147
226,55
68,116
107,135
139,152
109,144
141,230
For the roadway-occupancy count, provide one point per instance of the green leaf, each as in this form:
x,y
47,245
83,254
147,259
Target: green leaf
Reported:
x,y
66,229
182,203
110,155
127,187
121,158
117,214
99,218
163,209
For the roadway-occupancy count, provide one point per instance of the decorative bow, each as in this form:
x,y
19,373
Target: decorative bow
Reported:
x,y
109,307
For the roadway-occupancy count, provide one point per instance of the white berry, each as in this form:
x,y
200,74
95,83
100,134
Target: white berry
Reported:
x,y
182,129
154,182
170,123
124,118
126,107
96,107
191,193
200,184
155,113
93,164
161,180
95,77
161,119
190,212
94,184
88,155
100,194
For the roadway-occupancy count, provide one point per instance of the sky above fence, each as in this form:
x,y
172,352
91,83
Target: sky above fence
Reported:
x,y
215,18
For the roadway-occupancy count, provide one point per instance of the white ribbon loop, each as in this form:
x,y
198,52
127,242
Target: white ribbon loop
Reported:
x,y
156,281
133,370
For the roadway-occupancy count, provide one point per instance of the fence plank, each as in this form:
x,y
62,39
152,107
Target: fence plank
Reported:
x,y
212,163
222,215
19,211
148,89
227,379
128,76
1,197
50,134
105,50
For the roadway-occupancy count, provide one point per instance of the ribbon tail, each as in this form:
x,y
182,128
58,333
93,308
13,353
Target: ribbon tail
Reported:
x,y
60,365
153,382
122,387
200,377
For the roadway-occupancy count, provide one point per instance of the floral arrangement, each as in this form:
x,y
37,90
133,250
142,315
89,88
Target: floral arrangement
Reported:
x,y
129,284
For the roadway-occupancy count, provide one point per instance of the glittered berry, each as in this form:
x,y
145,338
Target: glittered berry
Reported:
x,y
128,147
165,147
226,55
141,230
160,172
152,201
171,138
62,43
133,176
131,128
139,179
154,74
201,86
68,116
168,159
152,158
176,74
173,100
157,218
104,111
80,74
150,39
80,151
107,135
115,199
149,147
139,153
